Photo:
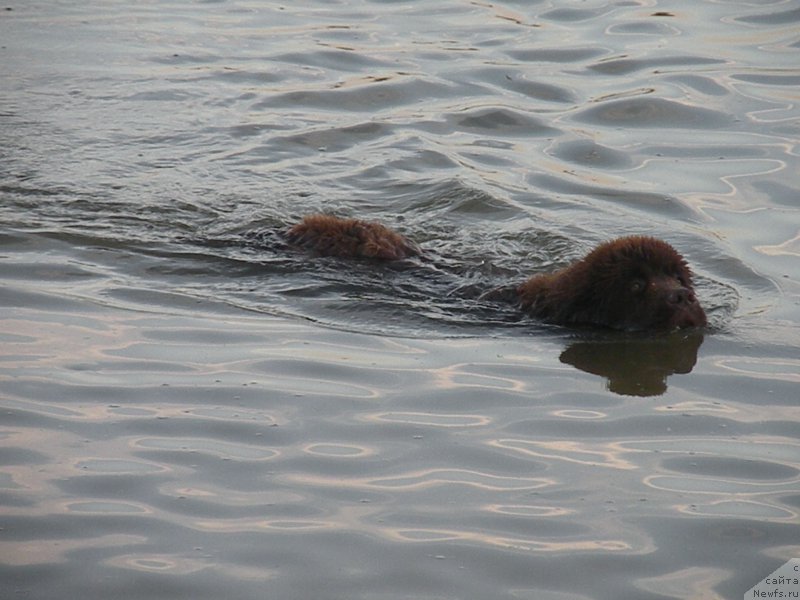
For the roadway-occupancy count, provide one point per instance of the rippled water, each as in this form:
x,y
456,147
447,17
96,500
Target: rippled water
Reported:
x,y
191,409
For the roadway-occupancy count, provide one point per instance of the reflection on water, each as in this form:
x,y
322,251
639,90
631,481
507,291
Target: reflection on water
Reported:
x,y
636,367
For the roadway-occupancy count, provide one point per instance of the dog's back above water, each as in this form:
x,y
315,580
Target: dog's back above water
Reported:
x,y
327,235
633,283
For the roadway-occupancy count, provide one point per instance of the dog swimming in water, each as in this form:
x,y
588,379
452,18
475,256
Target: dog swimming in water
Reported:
x,y
634,283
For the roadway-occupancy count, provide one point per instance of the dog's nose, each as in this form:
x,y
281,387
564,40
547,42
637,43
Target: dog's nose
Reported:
x,y
681,296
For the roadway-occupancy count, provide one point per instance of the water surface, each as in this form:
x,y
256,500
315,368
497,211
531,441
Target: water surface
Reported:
x,y
191,409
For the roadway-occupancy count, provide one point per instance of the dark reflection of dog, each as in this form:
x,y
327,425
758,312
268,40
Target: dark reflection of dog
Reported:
x,y
633,283
636,367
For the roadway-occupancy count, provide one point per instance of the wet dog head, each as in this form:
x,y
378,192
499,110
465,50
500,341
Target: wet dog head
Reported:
x,y
633,283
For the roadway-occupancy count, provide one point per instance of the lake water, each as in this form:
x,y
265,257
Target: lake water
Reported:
x,y
192,410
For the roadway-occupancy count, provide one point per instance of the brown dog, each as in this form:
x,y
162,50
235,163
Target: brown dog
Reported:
x,y
633,283
350,238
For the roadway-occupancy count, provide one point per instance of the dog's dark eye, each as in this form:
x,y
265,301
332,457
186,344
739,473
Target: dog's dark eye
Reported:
x,y
637,286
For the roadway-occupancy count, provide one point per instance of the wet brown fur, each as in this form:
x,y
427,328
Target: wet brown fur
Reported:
x,y
632,283
327,235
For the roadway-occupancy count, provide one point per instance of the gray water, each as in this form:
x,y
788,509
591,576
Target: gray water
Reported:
x,y
190,409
